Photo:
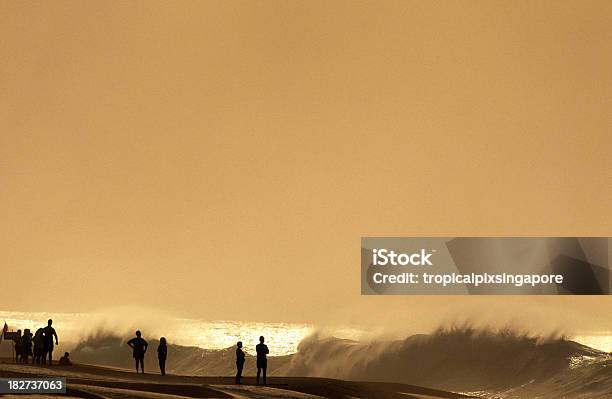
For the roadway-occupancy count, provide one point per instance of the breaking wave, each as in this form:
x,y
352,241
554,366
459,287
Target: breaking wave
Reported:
x,y
502,363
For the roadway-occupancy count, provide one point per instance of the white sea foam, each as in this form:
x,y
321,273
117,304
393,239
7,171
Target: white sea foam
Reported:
x,y
218,334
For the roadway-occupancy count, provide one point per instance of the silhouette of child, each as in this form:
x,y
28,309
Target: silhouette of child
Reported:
x,y
65,360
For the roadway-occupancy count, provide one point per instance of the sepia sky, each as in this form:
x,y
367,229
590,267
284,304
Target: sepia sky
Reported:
x,y
222,159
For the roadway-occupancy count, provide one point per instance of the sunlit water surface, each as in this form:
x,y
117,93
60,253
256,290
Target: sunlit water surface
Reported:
x,y
283,338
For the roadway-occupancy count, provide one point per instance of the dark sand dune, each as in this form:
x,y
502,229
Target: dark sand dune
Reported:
x,y
87,381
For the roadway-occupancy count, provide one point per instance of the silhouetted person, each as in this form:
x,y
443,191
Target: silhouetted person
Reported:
x,y
65,360
262,359
162,354
38,346
139,348
17,342
239,361
26,346
48,335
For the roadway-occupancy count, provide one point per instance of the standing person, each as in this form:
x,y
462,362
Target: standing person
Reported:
x,y
26,346
240,358
48,335
262,359
139,348
38,346
162,354
17,342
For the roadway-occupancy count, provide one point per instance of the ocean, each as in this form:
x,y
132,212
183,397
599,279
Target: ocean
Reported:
x,y
283,338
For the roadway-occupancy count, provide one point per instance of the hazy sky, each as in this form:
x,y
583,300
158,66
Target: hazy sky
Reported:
x,y
222,159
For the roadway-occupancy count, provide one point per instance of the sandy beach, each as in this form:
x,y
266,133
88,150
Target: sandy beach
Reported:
x,y
87,381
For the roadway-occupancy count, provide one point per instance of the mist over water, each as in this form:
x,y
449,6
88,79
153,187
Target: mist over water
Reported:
x,y
472,359
499,363
73,328
216,334
504,363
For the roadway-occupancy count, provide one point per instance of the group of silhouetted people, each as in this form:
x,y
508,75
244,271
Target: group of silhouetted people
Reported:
x,y
139,347
38,346
262,360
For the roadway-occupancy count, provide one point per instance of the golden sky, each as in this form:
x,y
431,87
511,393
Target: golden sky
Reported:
x,y
222,159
